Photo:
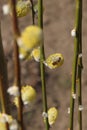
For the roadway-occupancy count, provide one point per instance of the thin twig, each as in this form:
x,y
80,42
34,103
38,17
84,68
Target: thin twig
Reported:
x,y
4,100
42,58
80,66
3,79
33,13
17,80
74,71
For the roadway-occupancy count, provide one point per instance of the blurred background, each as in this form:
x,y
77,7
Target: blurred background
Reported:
x,y
59,17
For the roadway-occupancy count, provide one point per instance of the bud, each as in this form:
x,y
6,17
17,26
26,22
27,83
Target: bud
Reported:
x,y
14,90
73,33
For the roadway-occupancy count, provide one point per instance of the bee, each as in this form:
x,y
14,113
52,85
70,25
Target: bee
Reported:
x,y
56,61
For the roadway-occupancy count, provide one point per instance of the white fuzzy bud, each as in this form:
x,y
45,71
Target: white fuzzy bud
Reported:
x,y
68,110
14,125
6,9
44,114
73,33
14,90
74,95
21,56
80,108
80,55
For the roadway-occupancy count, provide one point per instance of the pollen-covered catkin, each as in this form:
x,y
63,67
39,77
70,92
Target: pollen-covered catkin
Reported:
x,y
30,38
52,115
36,54
28,94
23,8
54,61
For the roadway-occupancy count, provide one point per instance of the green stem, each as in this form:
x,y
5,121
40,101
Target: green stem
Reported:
x,y
17,80
42,58
74,71
80,66
40,13
80,94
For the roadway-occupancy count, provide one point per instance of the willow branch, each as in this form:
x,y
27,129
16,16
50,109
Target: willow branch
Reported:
x,y
4,99
3,80
75,61
33,13
17,80
80,66
42,58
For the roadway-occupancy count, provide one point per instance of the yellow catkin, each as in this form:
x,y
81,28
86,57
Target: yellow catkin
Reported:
x,y
22,8
28,95
15,101
54,61
36,54
24,54
5,118
2,126
52,115
30,38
